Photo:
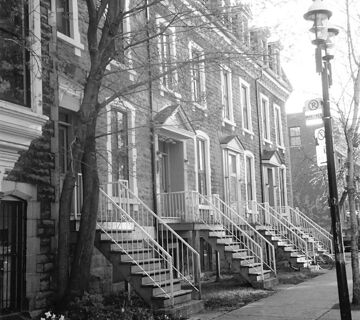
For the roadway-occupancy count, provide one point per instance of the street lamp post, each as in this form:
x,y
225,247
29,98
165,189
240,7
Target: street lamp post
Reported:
x,y
320,14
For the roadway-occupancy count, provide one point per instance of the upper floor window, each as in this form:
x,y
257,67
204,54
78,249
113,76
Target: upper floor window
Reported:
x,y
226,93
295,136
63,16
278,126
14,56
67,23
167,55
265,115
197,74
123,39
245,105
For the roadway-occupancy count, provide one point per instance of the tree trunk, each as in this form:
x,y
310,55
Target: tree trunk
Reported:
x,y
64,220
80,271
354,227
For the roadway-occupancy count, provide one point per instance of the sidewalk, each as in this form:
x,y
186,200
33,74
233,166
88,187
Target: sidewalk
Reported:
x,y
313,299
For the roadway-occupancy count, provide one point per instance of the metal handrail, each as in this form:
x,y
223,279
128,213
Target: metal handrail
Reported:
x,y
299,219
191,206
186,258
114,222
268,216
266,245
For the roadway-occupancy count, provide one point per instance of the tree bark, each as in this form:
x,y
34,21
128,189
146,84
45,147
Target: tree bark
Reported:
x,y
354,226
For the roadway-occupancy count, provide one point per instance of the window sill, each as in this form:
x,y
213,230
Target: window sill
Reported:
x,y
266,141
251,133
122,66
230,123
164,90
201,106
75,43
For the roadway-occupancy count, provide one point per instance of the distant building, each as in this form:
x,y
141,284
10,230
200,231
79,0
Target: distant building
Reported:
x,y
309,170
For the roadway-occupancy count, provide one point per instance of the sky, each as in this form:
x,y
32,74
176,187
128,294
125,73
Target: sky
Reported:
x,y
286,21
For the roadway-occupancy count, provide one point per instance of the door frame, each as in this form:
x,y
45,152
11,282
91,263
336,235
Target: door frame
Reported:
x,y
13,298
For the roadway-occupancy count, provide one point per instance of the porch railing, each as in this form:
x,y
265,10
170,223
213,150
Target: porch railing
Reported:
x,y
191,206
267,216
269,258
304,223
186,260
113,221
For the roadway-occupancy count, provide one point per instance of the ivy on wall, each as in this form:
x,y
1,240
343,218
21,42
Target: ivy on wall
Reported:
x,y
35,164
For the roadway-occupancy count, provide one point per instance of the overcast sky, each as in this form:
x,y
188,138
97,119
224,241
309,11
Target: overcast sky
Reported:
x,y
287,23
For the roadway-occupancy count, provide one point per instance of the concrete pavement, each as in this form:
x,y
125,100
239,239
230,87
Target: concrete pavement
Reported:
x,y
313,299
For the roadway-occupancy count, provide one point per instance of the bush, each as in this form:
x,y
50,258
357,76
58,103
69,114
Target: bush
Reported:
x,y
112,307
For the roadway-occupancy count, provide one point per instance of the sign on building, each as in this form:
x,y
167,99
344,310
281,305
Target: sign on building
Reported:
x,y
321,159
313,112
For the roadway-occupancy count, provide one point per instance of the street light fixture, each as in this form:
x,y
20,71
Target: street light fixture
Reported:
x,y
320,14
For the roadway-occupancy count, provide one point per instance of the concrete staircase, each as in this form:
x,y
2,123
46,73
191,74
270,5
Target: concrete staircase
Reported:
x,y
135,262
285,250
238,258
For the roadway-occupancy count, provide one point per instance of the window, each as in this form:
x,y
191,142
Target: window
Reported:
x,y
198,87
67,23
123,39
167,55
203,164
14,58
64,127
226,92
245,105
249,176
264,103
202,188
119,145
295,136
282,186
278,126
63,16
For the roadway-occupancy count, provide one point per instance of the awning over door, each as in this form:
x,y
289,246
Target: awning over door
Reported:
x,y
172,122
272,158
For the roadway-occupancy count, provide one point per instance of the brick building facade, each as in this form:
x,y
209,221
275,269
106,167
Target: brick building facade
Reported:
x,y
215,124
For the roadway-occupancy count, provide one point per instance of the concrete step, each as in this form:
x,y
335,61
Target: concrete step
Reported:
x,y
183,310
180,296
147,265
164,286
156,275
138,254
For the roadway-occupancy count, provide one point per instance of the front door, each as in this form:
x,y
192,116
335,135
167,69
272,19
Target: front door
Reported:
x,y
12,255
269,186
171,171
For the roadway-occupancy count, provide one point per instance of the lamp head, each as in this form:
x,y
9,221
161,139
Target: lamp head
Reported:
x,y
319,13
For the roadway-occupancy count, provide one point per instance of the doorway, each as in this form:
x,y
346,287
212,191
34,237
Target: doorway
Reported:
x,y
270,186
171,166
12,255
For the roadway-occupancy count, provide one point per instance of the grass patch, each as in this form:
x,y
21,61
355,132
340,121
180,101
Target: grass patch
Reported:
x,y
295,277
229,293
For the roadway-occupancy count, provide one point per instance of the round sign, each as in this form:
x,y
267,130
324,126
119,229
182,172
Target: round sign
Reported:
x,y
321,134
313,104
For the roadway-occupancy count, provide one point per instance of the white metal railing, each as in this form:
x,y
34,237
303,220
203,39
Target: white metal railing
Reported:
x,y
186,260
310,227
78,196
266,215
191,206
268,249
139,248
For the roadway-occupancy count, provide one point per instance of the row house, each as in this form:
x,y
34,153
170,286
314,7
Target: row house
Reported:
x,y
193,160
